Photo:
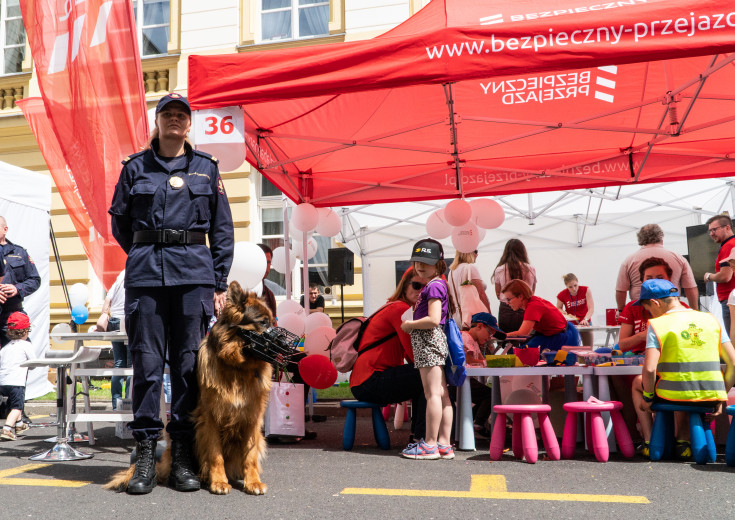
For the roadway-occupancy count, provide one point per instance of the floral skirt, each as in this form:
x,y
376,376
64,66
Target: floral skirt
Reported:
x,y
429,347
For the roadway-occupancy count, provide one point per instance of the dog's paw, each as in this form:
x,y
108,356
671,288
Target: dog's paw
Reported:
x,y
256,488
219,488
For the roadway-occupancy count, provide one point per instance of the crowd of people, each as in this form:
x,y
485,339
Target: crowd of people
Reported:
x,y
649,312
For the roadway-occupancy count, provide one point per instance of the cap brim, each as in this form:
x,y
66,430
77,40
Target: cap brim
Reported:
x,y
424,260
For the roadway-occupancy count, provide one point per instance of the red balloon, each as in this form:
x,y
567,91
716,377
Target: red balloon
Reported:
x,y
317,371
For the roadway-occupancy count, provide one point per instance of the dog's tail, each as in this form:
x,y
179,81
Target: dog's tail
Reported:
x,y
121,479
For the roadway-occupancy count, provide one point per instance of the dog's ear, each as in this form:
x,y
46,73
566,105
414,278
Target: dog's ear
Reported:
x,y
234,291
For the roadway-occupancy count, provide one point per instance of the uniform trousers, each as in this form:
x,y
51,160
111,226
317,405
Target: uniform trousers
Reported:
x,y
160,320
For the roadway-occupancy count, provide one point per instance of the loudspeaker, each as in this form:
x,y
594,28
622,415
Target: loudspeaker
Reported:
x,y
341,266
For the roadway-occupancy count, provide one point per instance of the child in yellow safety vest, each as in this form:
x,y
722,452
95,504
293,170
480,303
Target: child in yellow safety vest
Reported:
x,y
682,360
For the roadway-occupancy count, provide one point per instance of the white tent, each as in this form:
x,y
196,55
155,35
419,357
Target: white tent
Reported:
x,y
587,232
25,202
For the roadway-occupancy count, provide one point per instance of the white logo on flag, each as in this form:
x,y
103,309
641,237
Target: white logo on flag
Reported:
x,y
606,83
60,52
492,19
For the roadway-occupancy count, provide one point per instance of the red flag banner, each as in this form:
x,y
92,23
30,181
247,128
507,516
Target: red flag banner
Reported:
x,y
89,72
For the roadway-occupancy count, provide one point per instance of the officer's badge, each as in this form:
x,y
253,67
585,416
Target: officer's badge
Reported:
x,y
220,186
176,182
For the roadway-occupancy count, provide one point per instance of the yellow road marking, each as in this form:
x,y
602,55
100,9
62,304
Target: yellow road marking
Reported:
x,y
31,417
494,487
5,481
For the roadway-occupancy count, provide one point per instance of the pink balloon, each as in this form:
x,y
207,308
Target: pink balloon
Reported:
x,y
329,223
316,320
465,238
318,371
437,226
292,323
457,212
317,341
304,217
487,213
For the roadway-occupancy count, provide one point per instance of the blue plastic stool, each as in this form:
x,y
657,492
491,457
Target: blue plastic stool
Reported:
x,y
380,430
730,447
662,435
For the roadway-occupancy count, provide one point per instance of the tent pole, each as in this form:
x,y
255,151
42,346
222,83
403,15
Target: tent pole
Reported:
x,y
287,248
58,263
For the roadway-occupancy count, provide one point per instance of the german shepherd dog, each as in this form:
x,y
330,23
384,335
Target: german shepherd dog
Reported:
x,y
233,395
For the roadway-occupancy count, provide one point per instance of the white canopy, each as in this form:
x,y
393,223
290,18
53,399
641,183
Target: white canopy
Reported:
x,y
25,202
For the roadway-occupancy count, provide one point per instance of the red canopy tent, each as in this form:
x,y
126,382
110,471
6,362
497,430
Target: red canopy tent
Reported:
x,y
482,97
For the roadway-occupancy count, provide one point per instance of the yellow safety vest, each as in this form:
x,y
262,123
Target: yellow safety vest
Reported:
x,y
689,366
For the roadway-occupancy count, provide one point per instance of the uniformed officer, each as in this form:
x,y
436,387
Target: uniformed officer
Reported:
x,y
168,200
21,278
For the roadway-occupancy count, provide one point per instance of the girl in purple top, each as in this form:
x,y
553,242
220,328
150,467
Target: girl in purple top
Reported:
x,y
430,351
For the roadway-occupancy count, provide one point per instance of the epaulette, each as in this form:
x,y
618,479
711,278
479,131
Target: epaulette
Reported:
x,y
205,154
133,156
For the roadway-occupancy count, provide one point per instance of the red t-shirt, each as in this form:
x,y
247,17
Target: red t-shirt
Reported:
x,y
549,320
724,289
389,354
575,305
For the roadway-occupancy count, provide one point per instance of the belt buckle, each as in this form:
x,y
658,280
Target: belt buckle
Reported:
x,y
174,236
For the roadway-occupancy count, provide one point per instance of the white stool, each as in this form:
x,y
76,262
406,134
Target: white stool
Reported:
x,y
61,451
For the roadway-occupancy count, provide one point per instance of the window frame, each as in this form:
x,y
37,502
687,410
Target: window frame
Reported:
x,y
294,8
3,21
173,12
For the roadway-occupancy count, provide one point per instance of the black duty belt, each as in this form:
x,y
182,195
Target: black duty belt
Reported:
x,y
169,236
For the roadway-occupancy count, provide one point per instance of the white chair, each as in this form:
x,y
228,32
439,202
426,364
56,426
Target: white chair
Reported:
x,y
62,361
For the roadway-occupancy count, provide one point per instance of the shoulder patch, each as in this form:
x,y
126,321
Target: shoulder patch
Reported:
x,y
205,154
220,186
132,156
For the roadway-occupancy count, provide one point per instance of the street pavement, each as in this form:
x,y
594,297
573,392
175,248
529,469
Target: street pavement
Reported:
x,y
315,479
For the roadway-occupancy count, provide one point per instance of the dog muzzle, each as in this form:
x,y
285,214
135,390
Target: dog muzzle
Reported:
x,y
275,346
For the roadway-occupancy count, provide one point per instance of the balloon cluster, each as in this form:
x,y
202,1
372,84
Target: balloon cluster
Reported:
x,y
466,222
308,219
78,296
316,368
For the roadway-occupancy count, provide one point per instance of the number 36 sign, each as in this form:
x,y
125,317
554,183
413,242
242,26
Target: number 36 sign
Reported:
x,y
221,132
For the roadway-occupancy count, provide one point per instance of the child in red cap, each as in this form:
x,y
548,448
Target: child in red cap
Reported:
x,y
12,375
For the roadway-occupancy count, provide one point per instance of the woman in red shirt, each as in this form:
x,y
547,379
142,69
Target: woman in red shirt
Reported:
x,y
380,375
576,301
540,317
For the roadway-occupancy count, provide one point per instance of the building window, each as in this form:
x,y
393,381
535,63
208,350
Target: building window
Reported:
x,y
152,20
293,19
13,36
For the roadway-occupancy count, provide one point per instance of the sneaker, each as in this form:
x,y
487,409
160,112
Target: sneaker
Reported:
x,y
9,435
421,450
21,428
642,449
445,451
683,450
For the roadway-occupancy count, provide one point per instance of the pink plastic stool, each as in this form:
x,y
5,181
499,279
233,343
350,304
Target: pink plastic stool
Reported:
x,y
524,434
595,429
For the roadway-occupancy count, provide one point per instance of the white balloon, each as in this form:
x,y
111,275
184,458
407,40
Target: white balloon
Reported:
x,y
278,262
258,289
311,249
230,156
78,294
290,307
317,340
60,328
329,224
316,320
292,323
457,212
465,238
248,265
304,217
487,213
436,225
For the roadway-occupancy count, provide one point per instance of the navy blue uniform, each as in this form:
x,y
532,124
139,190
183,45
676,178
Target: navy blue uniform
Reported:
x,y
21,272
170,278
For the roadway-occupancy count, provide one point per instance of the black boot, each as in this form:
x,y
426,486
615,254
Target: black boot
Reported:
x,y
144,478
183,469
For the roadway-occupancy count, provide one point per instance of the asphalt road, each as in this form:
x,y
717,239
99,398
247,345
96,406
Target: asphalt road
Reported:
x,y
316,479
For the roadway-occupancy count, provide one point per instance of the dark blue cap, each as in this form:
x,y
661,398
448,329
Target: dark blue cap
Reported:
x,y
656,289
487,319
168,98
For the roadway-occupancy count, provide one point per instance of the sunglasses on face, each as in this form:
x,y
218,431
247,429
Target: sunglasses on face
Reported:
x,y
417,286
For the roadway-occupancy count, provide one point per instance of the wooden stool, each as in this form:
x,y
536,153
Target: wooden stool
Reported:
x,y
730,447
524,434
380,431
595,429
662,434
